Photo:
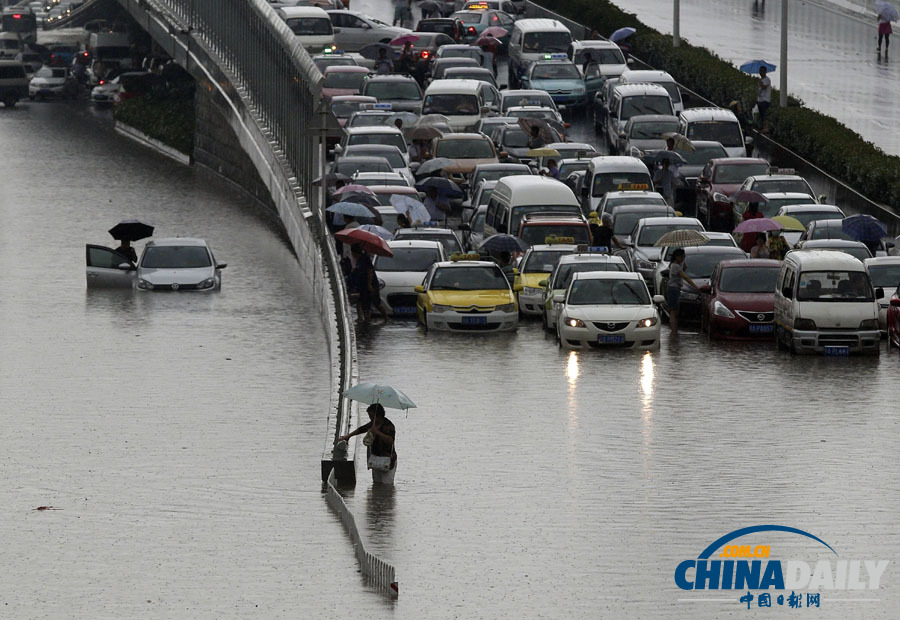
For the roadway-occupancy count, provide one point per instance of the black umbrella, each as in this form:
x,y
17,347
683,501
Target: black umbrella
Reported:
x,y
372,51
503,243
445,186
131,230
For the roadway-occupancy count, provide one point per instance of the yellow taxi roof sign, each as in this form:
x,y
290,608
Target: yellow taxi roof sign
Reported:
x,y
459,256
630,187
554,240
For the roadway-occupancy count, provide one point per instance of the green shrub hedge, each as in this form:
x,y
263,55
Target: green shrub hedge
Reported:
x,y
167,117
823,140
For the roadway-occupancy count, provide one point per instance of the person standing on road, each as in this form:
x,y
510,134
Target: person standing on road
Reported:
x,y
602,233
665,180
125,249
748,240
673,290
759,250
382,433
438,206
763,98
777,245
383,65
884,28
535,141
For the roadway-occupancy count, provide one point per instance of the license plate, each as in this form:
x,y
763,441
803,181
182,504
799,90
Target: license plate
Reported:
x,y
617,339
404,309
762,329
474,320
837,351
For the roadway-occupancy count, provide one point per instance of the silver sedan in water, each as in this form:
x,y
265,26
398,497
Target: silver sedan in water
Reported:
x,y
179,264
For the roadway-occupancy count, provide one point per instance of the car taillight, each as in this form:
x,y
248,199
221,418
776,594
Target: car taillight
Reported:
x,y
102,82
17,16
472,29
425,54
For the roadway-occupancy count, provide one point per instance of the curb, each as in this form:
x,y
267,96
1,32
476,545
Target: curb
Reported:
x,y
143,139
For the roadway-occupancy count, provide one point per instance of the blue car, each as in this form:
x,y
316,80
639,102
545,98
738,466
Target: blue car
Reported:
x,y
559,77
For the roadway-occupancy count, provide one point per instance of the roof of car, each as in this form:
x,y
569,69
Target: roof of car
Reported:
x,y
659,221
776,177
177,241
785,195
833,243
731,161
394,189
606,275
540,24
631,192
507,166
346,69
709,114
715,249
649,118
590,257
414,243
640,88
355,148
596,43
750,262
463,136
618,162
645,75
637,208
430,230
357,98
483,70
380,77
825,259
883,260
467,263
811,208
453,86
374,129
303,11
547,218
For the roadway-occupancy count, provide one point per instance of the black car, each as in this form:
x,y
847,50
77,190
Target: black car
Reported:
x,y
450,26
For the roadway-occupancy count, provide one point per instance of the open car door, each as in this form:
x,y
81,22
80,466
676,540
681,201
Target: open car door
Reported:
x,y
106,268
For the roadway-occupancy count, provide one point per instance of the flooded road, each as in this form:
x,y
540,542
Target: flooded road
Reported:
x,y
177,437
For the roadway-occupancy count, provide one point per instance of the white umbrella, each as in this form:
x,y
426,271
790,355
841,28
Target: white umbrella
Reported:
x,y
414,209
385,395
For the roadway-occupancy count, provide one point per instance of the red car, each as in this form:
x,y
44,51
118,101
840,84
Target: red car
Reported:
x,y
739,301
893,320
720,178
343,80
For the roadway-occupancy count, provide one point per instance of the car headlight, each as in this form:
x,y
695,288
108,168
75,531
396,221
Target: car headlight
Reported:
x,y
579,90
531,291
804,324
719,197
869,324
207,283
574,322
720,309
381,284
650,322
645,264
506,308
440,308
142,283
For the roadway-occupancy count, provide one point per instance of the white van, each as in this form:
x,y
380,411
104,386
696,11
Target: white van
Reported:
x,y
531,39
613,173
825,303
515,196
461,101
311,25
627,100
634,76
716,124
10,45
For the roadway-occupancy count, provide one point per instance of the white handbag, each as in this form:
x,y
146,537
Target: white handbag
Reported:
x,y
381,463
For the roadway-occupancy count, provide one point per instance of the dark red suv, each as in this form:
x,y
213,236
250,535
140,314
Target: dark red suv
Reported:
x,y
720,178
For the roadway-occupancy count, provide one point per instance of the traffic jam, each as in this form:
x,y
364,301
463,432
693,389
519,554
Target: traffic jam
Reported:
x,y
458,201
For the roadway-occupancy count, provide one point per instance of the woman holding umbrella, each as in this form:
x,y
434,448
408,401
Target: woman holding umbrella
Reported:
x,y
127,231
380,434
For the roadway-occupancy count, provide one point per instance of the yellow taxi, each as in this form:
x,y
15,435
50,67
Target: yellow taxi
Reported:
x,y
467,294
537,264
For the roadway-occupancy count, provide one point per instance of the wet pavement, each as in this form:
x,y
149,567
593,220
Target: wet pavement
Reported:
x,y
832,64
177,437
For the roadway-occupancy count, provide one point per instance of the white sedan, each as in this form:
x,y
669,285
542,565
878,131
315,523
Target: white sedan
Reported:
x,y
400,274
608,309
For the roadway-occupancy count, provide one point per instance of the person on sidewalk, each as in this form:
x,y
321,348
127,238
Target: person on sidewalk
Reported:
x,y
763,98
884,28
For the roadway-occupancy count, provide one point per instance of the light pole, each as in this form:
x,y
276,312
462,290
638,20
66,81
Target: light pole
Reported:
x,y
783,94
676,24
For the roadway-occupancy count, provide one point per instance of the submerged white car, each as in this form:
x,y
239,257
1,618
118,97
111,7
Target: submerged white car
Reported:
x,y
608,309
179,264
400,274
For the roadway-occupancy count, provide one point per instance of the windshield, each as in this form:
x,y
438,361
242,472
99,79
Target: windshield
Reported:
x,y
748,280
370,120
805,217
728,133
567,169
514,138
464,149
651,234
451,105
393,90
408,259
543,261
450,242
393,139
536,99
623,223
828,232
555,71
350,167
537,233
885,276
309,26
478,223
46,72
770,208
638,105
601,56
394,158
653,130
461,52
702,154
732,174
468,18
469,279
331,61
546,42
616,292
175,257
518,213
640,199
344,79
343,109
611,181
702,265
835,286
765,186
564,273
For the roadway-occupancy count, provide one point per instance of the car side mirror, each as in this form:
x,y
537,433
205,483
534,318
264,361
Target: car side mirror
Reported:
x,y
748,141
544,283
559,298
879,293
515,271
629,62
504,154
895,303
889,244
823,198
485,109
706,288
787,293
221,265
419,288
464,227
126,267
338,149
659,299
336,30
502,87
517,288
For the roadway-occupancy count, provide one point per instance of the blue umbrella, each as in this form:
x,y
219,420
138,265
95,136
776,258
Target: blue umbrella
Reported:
x,y
350,208
864,227
503,243
444,186
622,33
754,66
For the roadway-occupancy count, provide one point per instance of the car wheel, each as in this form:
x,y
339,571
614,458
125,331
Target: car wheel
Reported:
x,y
10,101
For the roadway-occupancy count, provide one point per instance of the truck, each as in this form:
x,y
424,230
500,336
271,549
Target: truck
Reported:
x,y
112,47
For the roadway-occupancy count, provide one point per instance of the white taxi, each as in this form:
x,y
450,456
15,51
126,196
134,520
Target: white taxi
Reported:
x,y
398,275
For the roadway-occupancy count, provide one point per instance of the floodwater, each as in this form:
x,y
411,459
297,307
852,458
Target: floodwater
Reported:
x,y
832,64
176,436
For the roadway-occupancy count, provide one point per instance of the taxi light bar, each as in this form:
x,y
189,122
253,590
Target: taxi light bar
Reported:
x,y
600,249
632,187
477,6
553,240
458,257
556,56
777,170
382,106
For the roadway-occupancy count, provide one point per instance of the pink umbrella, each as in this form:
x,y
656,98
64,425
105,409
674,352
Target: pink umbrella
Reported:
x,y
494,31
757,225
746,195
353,188
483,40
403,39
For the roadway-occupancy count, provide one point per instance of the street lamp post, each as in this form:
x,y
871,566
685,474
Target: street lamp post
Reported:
x,y
676,24
783,93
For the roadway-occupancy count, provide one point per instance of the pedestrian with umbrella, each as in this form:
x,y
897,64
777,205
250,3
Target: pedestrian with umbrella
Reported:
x,y
677,277
862,227
885,14
665,179
128,231
437,204
380,432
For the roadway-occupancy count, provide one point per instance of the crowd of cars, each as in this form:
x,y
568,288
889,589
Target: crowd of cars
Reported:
x,y
588,298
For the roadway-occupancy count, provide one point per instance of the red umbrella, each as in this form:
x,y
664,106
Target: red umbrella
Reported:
x,y
486,40
371,243
494,31
402,39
